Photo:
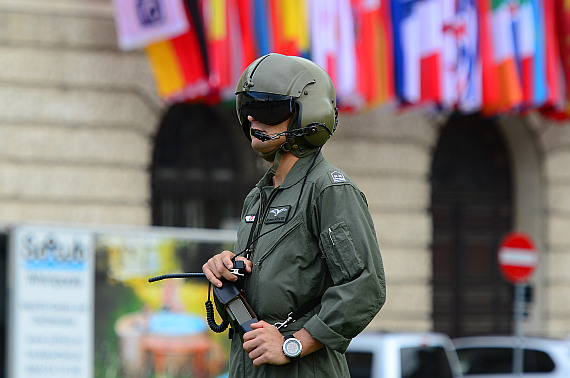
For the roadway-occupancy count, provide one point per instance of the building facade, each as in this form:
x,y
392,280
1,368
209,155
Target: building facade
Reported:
x,y
81,122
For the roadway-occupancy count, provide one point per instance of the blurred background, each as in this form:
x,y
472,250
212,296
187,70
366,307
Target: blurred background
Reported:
x,y
120,152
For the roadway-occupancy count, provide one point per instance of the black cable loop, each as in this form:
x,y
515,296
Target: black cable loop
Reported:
x,y
210,317
176,275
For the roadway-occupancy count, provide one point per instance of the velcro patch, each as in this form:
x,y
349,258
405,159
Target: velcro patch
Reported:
x,y
278,214
337,176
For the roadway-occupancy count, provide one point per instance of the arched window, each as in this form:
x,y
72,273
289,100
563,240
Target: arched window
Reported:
x,y
202,168
472,210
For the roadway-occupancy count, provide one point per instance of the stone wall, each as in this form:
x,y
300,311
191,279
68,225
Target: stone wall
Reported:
x,y
77,116
555,141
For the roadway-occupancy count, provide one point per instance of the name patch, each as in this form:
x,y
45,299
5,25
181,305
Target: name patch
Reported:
x,y
278,214
337,176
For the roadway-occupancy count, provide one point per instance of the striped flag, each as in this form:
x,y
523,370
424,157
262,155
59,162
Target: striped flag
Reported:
x,y
296,24
406,30
333,45
373,45
539,74
461,67
563,25
248,44
221,19
263,26
387,88
552,57
491,93
290,26
510,88
179,66
452,31
431,49
280,43
528,46
469,84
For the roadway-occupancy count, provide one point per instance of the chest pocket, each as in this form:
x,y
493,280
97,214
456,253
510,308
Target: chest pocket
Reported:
x,y
287,236
342,259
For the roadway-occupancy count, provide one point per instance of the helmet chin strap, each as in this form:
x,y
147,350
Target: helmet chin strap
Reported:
x,y
269,156
273,157
276,161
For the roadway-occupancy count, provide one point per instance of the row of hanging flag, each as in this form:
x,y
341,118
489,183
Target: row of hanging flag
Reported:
x,y
491,56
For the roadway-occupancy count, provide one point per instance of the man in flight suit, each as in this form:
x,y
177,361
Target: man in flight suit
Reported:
x,y
306,234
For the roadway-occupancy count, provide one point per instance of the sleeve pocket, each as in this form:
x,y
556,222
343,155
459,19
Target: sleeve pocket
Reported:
x,y
342,259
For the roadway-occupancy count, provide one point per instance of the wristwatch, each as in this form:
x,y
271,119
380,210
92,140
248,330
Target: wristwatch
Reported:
x,y
292,347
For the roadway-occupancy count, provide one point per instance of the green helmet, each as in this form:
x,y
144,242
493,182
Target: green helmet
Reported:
x,y
275,87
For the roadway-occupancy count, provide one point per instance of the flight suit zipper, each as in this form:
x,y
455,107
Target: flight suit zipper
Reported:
x,y
274,245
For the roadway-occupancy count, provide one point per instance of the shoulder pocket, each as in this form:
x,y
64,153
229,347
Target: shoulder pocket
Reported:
x,y
342,260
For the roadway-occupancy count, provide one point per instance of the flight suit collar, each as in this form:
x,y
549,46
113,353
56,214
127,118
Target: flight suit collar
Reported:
x,y
297,172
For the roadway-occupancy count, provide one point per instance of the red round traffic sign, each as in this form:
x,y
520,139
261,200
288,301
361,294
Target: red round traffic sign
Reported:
x,y
517,257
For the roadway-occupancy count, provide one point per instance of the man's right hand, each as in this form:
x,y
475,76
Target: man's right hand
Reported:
x,y
219,266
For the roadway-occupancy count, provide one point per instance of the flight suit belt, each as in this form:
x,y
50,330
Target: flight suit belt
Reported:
x,y
293,316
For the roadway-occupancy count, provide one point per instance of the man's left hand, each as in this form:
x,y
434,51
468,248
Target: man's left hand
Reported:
x,y
264,344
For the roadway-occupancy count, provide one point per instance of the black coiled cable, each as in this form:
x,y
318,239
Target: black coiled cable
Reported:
x,y
210,318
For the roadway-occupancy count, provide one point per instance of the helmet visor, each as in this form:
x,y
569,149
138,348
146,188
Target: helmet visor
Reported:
x,y
267,108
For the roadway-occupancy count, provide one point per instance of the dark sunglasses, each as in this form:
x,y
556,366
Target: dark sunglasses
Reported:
x,y
270,109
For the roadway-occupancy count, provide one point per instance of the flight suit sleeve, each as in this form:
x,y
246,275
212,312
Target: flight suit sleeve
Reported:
x,y
348,241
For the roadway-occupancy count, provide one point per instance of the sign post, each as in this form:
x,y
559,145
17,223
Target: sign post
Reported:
x,y
52,274
517,258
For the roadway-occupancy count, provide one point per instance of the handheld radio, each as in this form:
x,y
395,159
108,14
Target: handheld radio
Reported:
x,y
232,305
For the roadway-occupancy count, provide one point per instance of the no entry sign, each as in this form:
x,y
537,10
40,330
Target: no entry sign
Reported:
x,y
517,257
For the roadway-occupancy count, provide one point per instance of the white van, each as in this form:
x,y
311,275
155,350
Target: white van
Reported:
x,y
492,356
402,355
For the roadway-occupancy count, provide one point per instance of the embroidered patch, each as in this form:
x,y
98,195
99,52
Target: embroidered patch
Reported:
x,y
277,214
337,176
249,218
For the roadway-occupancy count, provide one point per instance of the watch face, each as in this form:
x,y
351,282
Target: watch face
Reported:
x,y
292,347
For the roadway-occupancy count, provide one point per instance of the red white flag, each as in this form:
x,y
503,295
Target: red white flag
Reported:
x,y
431,49
332,44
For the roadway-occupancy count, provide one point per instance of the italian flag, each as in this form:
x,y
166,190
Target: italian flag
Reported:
x,y
502,90
504,57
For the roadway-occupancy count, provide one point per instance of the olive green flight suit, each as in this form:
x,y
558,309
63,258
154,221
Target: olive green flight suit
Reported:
x,y
314,236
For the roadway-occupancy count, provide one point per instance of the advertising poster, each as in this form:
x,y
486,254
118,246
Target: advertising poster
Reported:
x,y
154,329
51,290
